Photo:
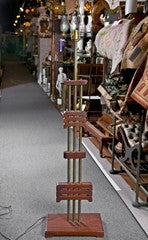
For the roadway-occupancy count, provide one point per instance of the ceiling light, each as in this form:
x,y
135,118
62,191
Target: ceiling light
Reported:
x,y
27,11
62,3
21,9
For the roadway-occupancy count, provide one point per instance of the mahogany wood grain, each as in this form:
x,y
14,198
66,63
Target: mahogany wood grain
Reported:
x,y
74,191
90,225
74,155
74,119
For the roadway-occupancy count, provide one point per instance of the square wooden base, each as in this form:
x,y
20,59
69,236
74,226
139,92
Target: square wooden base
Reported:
x,y
90,225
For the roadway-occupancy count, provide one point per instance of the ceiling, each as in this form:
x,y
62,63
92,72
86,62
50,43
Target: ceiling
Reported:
x,y
8,11
10,8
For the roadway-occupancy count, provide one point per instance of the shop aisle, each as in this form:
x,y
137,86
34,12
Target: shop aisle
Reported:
x,y
32,141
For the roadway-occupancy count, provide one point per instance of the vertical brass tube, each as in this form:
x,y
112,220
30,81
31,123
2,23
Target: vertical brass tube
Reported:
x,y
69,148
80,160
74,108
53,59
69,137
80,137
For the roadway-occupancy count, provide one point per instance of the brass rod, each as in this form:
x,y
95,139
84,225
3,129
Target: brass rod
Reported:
x,y
68,210
69,136
74,210
81,95
69,148
75,67
75,54
79,211
53,59
74,108
69,97
69,162
74,170
80,137
80,160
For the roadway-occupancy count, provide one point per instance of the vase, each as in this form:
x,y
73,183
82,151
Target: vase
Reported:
x,y
64,25
82,26
74,22
44,23
81,7
80,45
89,26
62,41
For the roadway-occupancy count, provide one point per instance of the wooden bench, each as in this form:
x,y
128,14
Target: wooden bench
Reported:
x,y
100,136
104,122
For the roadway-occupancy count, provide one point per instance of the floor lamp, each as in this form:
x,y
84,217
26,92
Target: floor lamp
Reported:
x,y
74,191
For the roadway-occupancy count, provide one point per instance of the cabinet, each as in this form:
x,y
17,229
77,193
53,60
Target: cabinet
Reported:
x,y
94,73
91,67
87,68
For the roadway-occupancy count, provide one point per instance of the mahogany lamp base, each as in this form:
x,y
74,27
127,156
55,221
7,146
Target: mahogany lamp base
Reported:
x,y
90,225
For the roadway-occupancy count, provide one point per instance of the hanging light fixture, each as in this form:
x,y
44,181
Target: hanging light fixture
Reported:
x,y
21,9
62,3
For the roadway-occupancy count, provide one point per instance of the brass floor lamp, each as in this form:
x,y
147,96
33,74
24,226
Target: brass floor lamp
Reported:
x,y
74,191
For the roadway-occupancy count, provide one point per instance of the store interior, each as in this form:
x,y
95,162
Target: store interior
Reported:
x,y
77,69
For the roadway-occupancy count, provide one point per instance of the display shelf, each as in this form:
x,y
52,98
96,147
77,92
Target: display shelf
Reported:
x,y
91,97
89,76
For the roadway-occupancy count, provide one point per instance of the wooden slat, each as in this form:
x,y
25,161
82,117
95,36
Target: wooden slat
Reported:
x,y
74,191
74,155
75,113
75,83
74,124
74,119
